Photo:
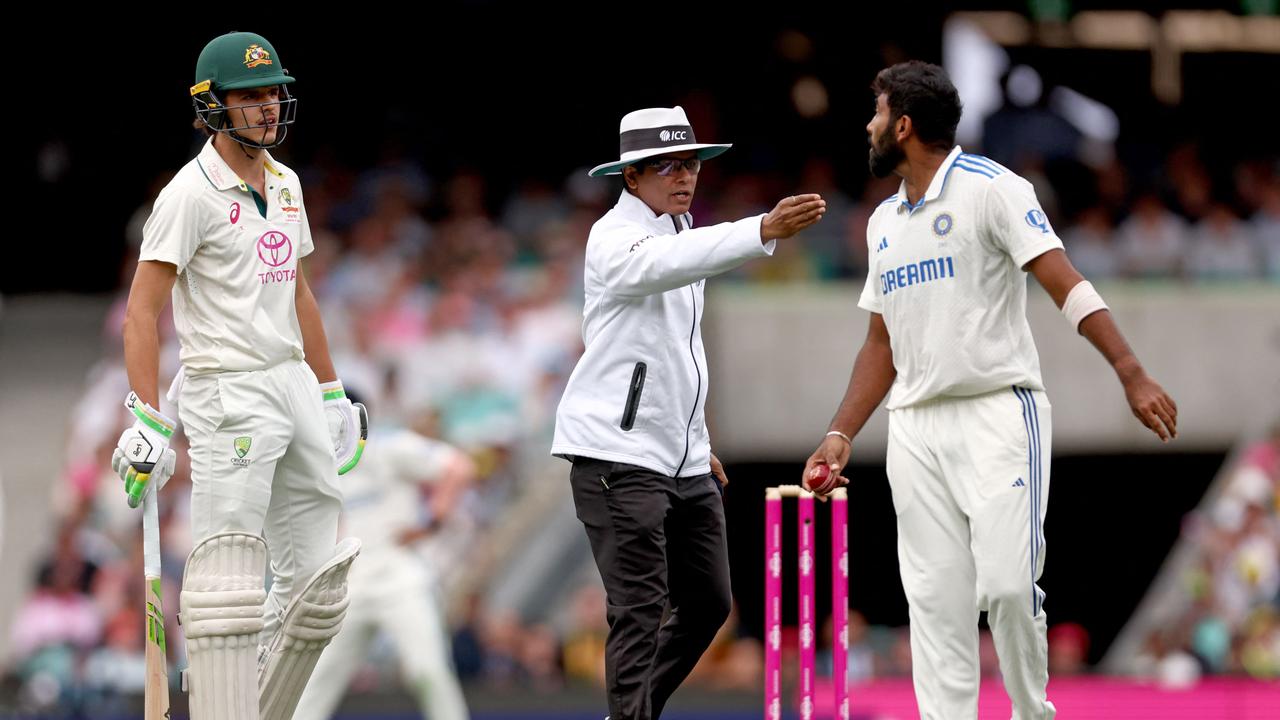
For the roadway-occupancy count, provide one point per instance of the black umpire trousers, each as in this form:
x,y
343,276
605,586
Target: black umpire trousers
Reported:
x,y
656,540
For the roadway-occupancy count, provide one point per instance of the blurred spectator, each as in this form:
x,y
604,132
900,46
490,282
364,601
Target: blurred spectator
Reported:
x,y
119,667
468,648
1222,248
1068,649
1152,241
371,268
1232,593
1192,187
585,639
1090,245
827,243
1266,229
540,658
60,612
56,628
860,666
899,658
533,207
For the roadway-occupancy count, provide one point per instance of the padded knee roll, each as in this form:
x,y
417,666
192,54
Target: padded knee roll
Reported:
x,y
314,616
223,593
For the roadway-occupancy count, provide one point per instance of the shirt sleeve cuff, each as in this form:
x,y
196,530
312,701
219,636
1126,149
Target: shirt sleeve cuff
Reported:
x,y
160,256
747,230
1034,251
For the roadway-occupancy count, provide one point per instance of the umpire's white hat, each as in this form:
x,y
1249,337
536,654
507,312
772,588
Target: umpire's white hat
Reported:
x,y
655,131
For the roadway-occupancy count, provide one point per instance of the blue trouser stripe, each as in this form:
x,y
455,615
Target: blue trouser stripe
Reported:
x,y
1039,476
1031,421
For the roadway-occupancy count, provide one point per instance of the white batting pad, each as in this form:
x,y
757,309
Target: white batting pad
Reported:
x,y
310,621
221,615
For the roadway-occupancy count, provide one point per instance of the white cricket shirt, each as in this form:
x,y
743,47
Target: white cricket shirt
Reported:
x,y
946,274
237,260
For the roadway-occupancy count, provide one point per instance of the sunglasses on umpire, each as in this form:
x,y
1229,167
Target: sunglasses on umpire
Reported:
x,y
668,165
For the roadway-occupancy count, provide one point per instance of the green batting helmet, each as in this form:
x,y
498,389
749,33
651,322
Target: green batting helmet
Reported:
x,y
237,61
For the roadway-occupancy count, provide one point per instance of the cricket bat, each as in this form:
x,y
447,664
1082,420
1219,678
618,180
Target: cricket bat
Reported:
x,y
156,699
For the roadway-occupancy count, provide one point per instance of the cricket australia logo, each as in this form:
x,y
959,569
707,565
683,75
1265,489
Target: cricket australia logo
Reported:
x,y
241,445
286,198
255,55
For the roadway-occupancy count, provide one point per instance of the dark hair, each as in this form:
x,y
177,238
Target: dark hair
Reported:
x,y
924,93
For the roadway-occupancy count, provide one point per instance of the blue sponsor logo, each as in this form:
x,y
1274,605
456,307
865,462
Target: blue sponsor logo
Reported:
x,y
1037,220
916,273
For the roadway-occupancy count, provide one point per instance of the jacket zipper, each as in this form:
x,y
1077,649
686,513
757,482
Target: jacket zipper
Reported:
x,y
694,410
693,328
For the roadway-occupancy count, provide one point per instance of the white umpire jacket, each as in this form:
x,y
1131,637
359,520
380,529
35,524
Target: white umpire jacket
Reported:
x,y
637,394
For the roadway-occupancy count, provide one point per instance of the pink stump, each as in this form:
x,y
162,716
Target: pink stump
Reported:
x,y
840,600
772,605
808,648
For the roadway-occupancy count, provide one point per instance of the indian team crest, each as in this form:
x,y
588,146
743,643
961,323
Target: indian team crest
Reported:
x,y
942,224
255,55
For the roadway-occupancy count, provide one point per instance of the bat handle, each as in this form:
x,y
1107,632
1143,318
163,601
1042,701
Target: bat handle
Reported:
x,y
150,534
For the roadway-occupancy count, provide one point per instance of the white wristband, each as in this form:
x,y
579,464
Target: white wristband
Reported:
x,y
1082,302
837,432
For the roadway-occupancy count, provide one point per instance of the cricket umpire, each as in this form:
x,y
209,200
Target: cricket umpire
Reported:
x,y
645,483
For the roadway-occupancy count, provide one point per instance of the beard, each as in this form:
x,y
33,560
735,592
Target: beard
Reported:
x,y
884,158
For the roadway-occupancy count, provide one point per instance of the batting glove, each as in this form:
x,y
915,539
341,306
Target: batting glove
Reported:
x,y
348,425
142,457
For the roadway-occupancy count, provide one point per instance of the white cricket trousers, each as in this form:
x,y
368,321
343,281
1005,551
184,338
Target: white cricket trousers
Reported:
x,y
262,462
395,596
970,482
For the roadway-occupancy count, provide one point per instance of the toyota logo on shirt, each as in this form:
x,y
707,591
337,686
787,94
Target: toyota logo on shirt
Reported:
x,y
274,248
